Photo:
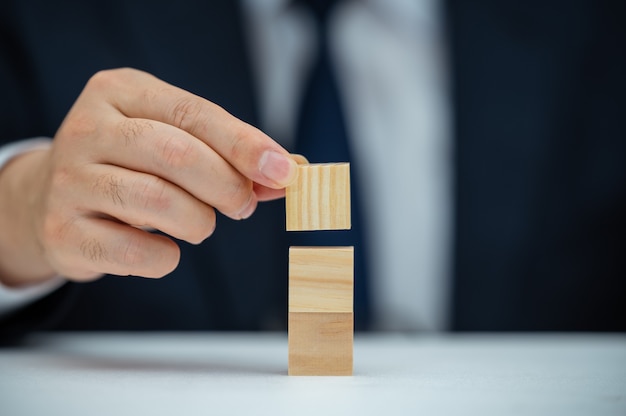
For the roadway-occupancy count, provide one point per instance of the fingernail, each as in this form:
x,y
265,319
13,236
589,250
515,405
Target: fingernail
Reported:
x,y
300,159
250,207
278,168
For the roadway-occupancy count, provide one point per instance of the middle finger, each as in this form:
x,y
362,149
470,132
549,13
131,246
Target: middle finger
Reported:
x,y
170,153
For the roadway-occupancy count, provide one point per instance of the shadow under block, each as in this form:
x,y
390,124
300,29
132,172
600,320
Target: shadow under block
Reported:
x,y
321,318
320,198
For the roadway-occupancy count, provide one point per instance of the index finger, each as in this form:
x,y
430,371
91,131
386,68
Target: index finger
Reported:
x,y
140,95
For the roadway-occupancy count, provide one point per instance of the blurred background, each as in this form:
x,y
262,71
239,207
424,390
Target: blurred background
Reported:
x,y
487,142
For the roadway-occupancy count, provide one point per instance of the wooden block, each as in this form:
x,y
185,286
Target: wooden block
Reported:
x,y
321,279
320,198
321,318
320,344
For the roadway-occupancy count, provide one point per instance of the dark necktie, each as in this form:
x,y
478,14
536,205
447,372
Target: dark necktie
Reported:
x,y
321,136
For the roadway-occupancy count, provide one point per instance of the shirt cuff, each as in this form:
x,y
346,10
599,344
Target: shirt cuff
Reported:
x,y
11,299
12,150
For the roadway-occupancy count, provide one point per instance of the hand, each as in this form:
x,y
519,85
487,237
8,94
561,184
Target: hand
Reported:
x,y
135,152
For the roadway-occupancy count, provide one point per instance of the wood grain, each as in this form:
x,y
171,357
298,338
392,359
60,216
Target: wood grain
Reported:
x,y
321,279
320,344
320,198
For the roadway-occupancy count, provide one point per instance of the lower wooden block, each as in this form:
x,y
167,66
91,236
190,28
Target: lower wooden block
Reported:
x,y
321,279
320,343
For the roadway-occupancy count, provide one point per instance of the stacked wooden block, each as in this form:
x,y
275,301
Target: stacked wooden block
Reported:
x,y
321,279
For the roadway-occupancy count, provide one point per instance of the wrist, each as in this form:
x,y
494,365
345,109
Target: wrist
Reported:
x,y
22,262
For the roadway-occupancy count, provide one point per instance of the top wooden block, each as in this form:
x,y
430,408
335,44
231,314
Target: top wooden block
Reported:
x,y
320,198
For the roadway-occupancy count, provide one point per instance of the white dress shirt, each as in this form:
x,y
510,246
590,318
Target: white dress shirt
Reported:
x,y
390,56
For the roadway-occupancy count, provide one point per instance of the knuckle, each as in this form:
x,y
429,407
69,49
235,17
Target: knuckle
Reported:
x,y
151,194
60,178
112,187
131,129
94,250
175,153
149,96
78,126
55,220
149,257
108,78
133,252
186,113
100,78
239,142
54,230
239,195
104,79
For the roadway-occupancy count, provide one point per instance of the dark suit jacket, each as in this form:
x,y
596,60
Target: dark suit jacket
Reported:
x,y
540,161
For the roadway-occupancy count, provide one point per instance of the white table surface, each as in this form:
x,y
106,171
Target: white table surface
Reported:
x,y
222,374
